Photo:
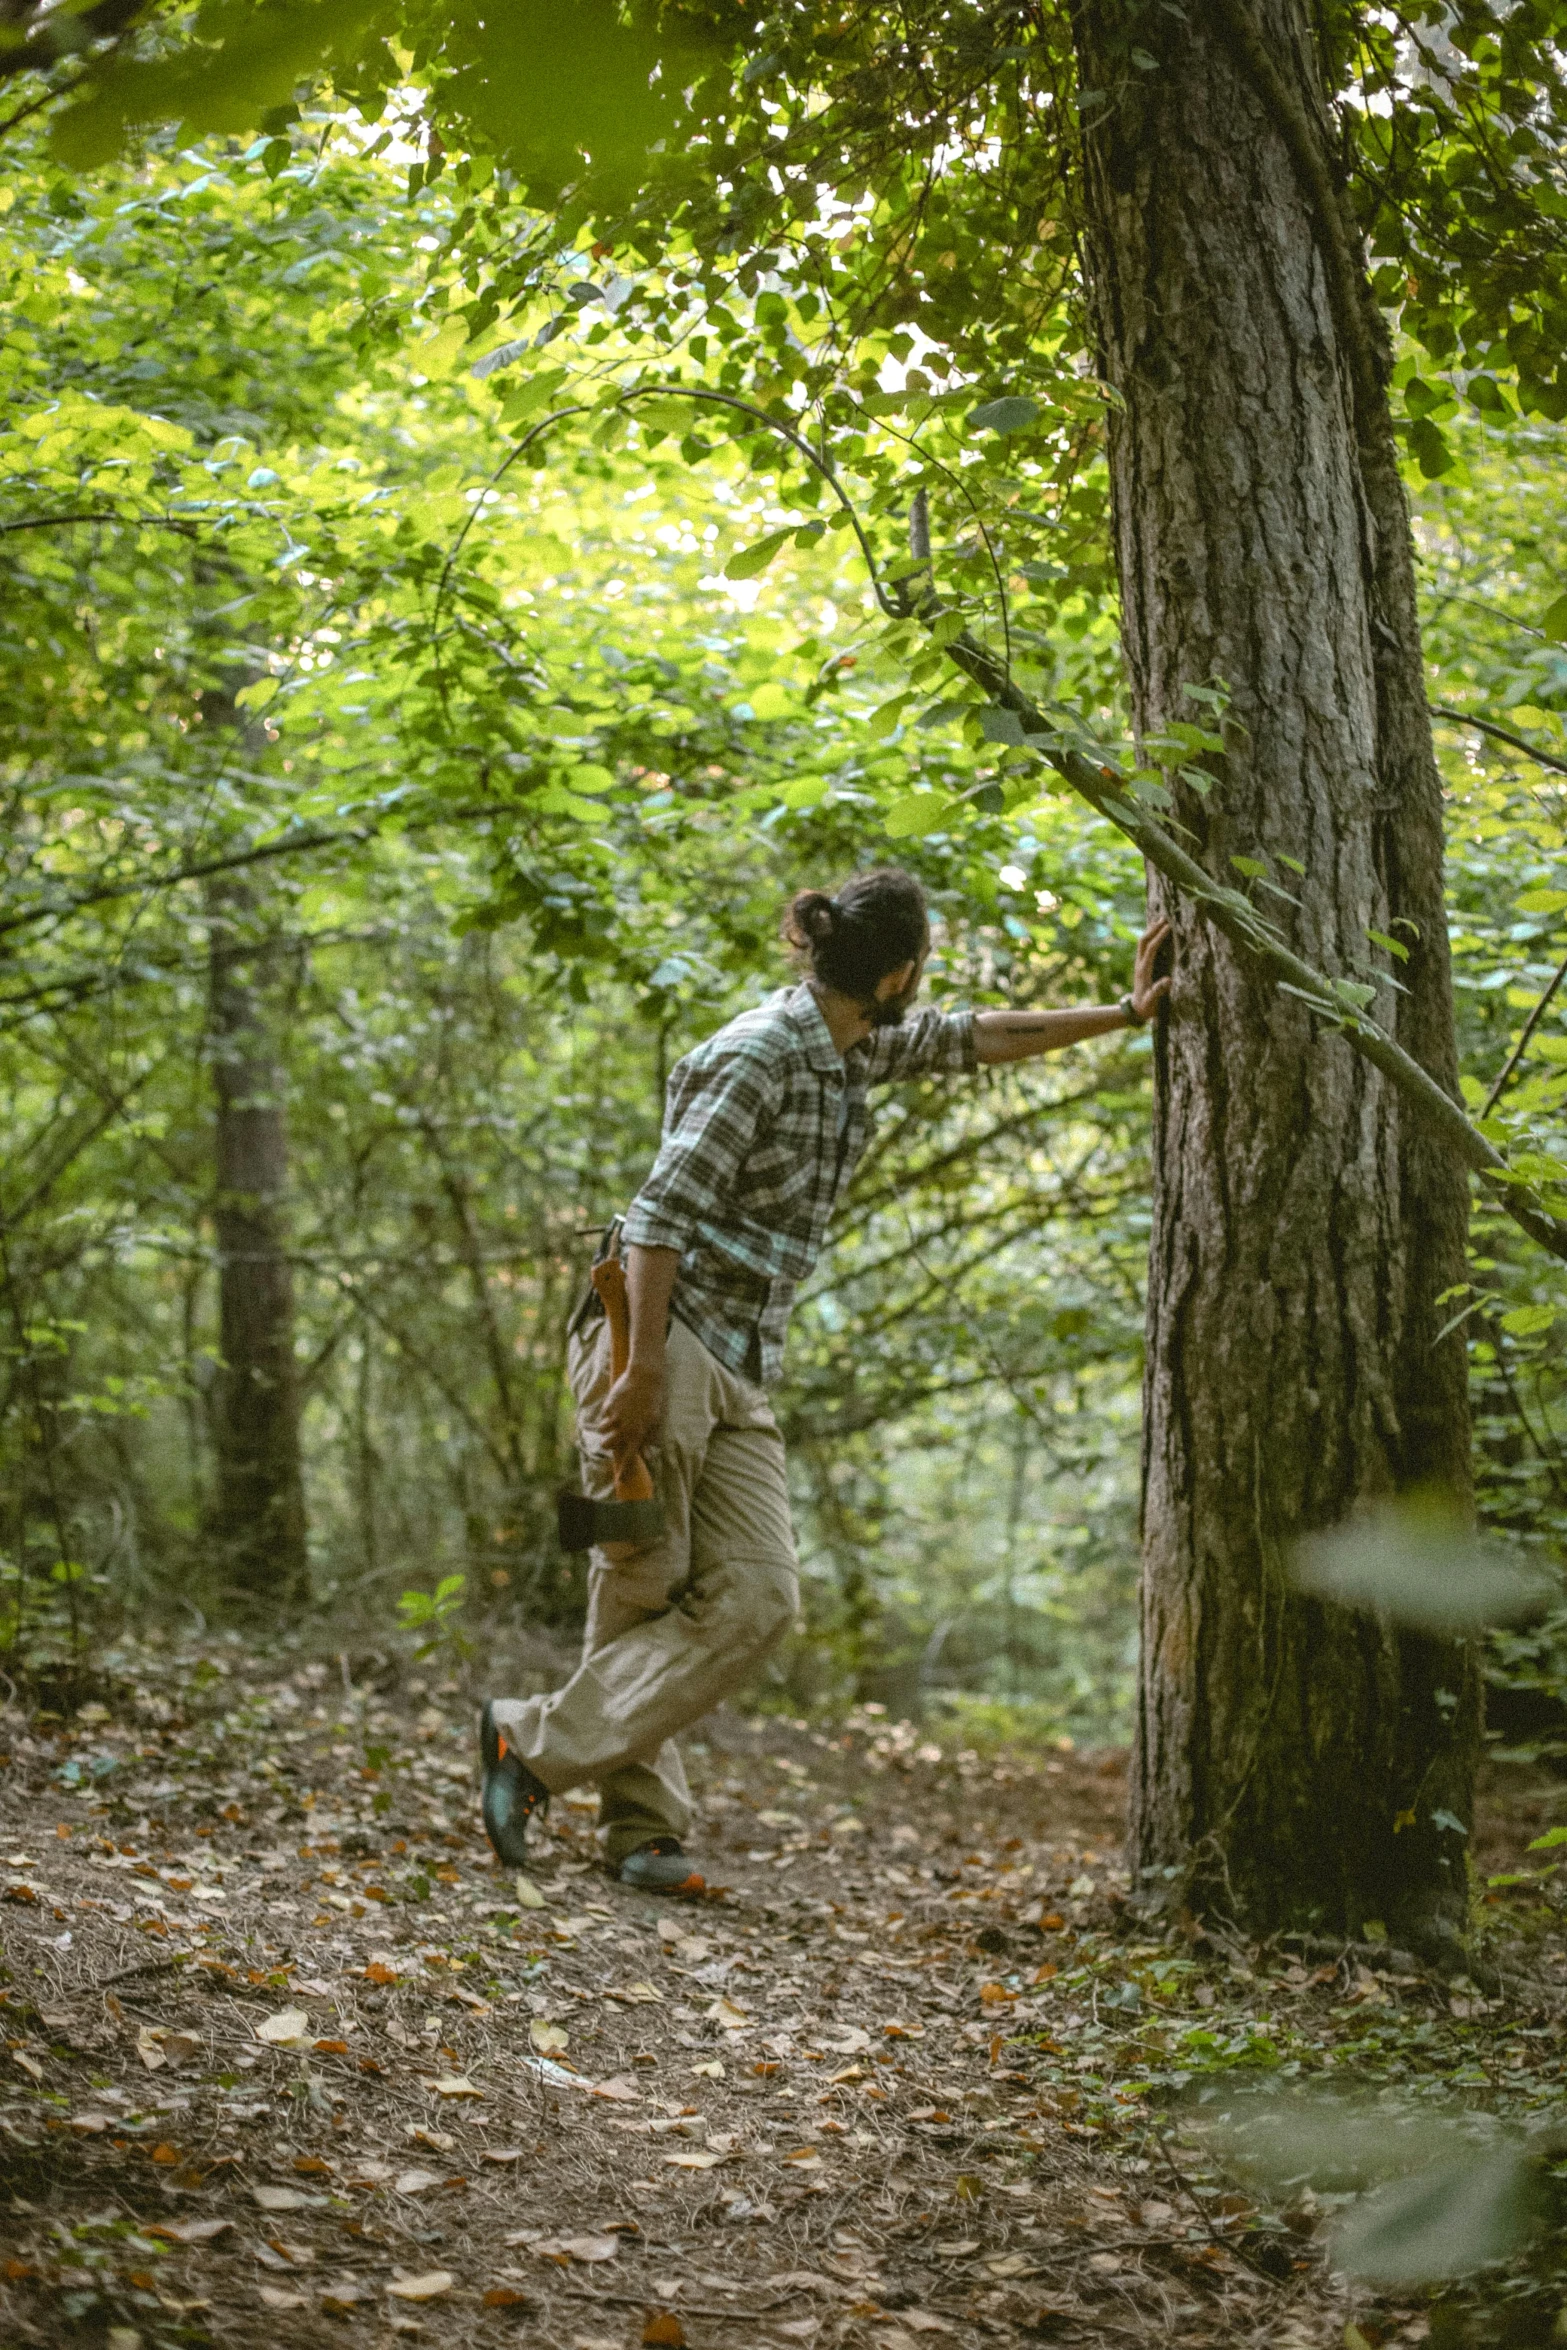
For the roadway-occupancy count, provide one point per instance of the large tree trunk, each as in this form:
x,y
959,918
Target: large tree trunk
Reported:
x,y
1296,1765
259,1514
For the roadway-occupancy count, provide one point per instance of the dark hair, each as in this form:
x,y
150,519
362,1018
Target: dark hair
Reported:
x,y
876,922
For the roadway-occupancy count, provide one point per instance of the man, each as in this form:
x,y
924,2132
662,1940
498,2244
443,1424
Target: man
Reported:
x,y
763,1126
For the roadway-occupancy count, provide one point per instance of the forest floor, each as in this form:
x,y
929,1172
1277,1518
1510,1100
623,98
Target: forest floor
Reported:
x,y
291,2061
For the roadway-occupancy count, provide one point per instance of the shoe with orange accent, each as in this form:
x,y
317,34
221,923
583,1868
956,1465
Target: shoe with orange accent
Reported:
x,y
661,1866
512,1795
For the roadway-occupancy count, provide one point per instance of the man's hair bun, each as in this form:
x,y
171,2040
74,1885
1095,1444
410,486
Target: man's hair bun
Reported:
x,y
811,919
876,923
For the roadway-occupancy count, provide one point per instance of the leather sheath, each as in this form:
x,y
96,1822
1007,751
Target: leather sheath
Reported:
x,y
583,1522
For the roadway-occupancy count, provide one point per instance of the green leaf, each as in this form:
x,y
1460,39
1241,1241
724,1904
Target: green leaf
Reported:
x,y
1013,414
1429,449
917,814
888,718
1554,624
1527,1321
1550,1840
754,559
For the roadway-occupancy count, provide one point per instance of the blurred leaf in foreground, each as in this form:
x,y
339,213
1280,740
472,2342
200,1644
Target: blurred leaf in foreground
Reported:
x,y
1443,2223
1419,1562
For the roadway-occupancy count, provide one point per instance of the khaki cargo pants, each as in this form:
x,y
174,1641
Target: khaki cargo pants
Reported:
x,y
683,1622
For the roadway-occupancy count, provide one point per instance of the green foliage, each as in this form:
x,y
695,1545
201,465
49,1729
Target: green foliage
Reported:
x,y
432,1617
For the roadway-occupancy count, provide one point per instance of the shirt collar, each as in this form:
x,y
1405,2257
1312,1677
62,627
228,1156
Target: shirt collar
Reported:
x,y
820,1051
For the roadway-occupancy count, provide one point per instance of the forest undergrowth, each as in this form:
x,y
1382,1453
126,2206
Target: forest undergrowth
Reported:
x,y
291,2059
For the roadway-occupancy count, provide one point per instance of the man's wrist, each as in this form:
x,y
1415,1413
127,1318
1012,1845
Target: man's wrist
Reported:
x,y
1127,1008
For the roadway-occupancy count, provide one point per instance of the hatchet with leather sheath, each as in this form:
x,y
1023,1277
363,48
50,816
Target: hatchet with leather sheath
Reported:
x,y
636,1516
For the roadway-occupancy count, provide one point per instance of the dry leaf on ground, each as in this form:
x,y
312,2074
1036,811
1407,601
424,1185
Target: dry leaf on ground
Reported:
x,y
284,2030
429,2287
548,2039
189,2231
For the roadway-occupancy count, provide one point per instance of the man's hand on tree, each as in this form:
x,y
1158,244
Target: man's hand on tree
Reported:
x,y
633,1409
1149,993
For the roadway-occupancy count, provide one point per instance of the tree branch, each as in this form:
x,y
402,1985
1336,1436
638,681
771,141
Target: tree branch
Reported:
x,y
1503,734
1522,1046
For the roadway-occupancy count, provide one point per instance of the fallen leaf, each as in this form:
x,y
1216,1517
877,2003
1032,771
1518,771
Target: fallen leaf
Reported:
x,y
968,2188
713,2070
338,2300
804,2158
378,1972
995,1994
274,2297
528,1894
548,2039
416,2182
282,2199
850,2043
662,2327
731,2017
923,2321
149,2047
586,2248
166,2153
425,2288
502,2154
441,2140
311,2166
897,2031
693,2161
91,2125
330,2047
180,2047
957,2251
799,2329
30,2064
503,2297
290,2028
189,2231
618,2089
637,1995
1015,2264
456,2085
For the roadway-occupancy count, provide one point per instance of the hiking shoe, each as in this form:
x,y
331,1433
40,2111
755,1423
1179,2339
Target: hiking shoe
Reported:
x,y
660,1866
511,1792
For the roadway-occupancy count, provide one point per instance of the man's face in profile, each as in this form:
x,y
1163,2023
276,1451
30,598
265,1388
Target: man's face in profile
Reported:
x,y
888,1010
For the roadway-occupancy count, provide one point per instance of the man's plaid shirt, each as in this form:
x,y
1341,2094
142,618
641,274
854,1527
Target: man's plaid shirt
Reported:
x,y
764,1124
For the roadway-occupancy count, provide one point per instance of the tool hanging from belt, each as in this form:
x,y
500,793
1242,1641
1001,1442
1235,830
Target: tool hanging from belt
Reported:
x,y
636,1516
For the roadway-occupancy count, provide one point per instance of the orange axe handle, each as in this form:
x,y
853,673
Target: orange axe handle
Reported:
x,y
633,1479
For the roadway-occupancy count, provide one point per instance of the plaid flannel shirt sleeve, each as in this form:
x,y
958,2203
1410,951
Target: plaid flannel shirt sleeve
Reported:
x,y
717,1114
932,1044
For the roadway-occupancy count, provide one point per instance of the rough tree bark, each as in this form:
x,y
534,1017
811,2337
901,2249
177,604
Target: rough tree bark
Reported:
x,y
1296,1765
258,1520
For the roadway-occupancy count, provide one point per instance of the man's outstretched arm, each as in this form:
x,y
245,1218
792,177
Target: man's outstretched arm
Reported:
x,y
1022,1036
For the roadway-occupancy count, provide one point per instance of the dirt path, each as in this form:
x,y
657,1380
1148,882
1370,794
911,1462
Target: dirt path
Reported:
x,y
291,2061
